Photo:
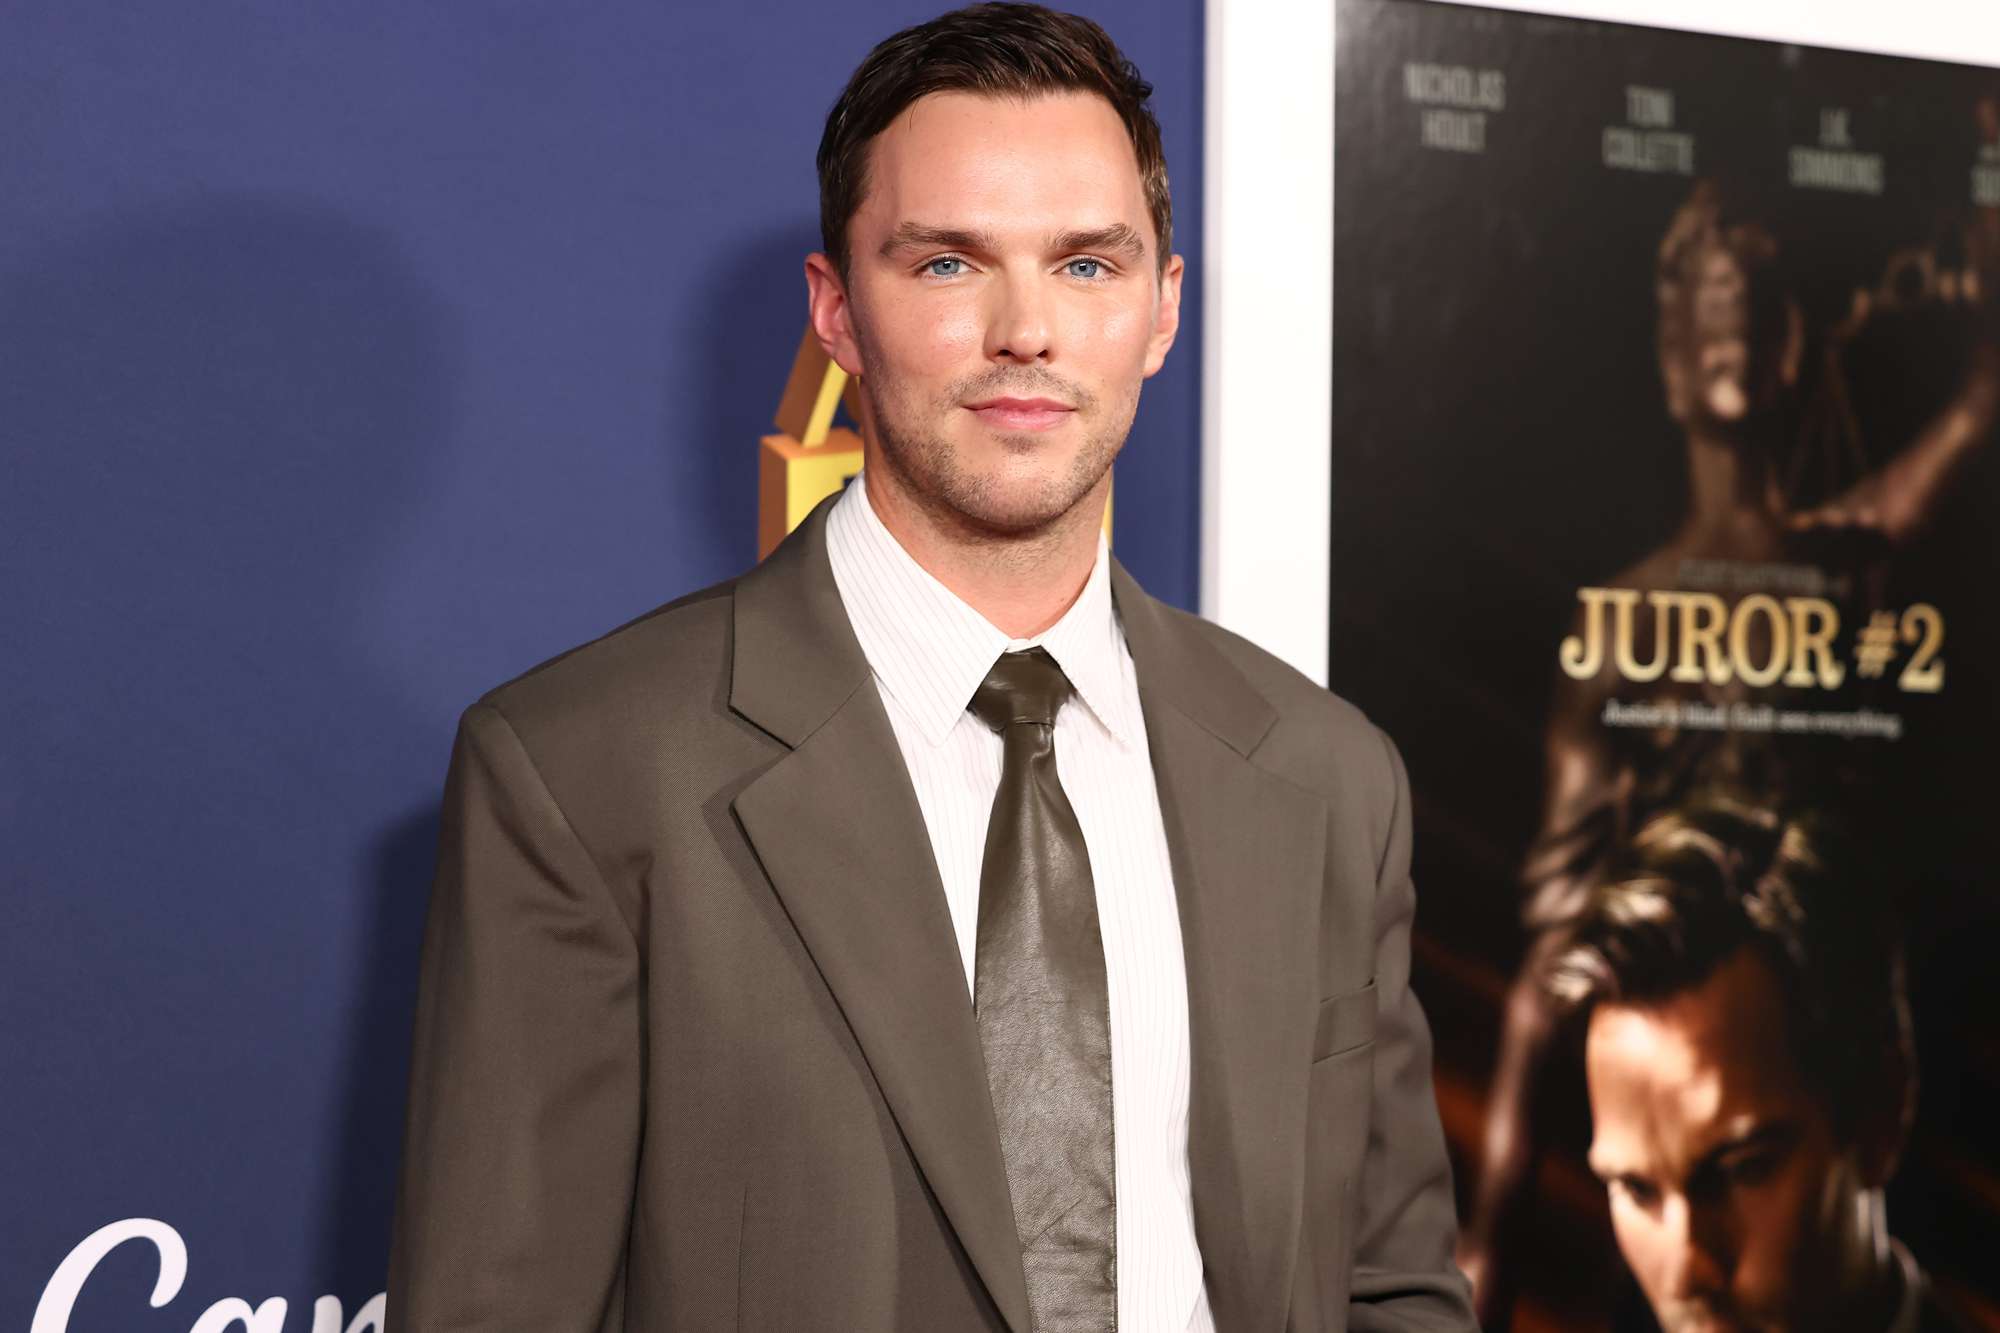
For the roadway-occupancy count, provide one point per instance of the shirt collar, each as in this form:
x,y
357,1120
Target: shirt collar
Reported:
x,y
1910,1305
930,649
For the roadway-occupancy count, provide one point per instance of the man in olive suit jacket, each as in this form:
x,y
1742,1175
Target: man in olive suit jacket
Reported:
x,y
773,980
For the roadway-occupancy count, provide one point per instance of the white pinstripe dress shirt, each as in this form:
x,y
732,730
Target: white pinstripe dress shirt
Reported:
x,y
929,651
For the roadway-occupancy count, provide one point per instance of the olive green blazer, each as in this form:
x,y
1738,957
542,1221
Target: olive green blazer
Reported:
x,y
693,1044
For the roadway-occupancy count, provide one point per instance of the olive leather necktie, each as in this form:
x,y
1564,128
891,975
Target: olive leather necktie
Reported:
x,y
1044,1011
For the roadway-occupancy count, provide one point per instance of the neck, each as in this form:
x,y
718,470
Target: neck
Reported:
x,y
1729,484
1021,582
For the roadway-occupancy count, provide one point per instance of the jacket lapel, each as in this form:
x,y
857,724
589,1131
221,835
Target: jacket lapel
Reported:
x,y
836,825
1248,851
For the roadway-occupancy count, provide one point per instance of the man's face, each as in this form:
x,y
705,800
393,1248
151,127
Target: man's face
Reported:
x,y
1734,1201
1003,303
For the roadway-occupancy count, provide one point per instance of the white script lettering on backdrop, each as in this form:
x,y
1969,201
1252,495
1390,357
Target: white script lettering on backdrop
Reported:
x,y
59,1297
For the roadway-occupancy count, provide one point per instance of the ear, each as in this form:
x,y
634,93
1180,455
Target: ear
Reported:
x,y
1167,317
831,315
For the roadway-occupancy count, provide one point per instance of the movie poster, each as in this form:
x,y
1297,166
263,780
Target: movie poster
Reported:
x,y
1666,544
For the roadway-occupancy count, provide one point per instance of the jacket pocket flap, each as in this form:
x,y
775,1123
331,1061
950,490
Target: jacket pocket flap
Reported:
x,y
1345,1021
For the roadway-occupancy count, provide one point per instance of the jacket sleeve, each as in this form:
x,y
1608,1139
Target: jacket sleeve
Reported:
x,y
521,1137
1404,1277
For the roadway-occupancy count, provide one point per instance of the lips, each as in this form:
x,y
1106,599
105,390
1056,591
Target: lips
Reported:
x,y
1018,414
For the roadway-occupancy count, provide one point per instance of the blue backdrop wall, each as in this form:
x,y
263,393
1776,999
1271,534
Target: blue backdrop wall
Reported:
x,y
354,358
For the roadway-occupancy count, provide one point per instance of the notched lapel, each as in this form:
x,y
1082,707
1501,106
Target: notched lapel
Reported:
x,y
836,826
1248,855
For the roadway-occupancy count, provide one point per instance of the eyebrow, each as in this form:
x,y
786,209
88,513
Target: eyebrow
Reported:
x,y
1118,239
917,236
1766,1134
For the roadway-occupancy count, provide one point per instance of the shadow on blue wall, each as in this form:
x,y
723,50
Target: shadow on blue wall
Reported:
x,y
221,408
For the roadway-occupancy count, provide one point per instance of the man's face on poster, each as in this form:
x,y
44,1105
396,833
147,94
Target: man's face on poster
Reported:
x,y
1733,1196
1003,301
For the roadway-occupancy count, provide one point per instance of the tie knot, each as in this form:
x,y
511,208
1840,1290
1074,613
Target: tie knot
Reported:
x,y
1021,687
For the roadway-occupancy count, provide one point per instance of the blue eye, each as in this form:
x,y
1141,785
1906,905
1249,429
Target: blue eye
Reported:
x,y
1085,268
947,267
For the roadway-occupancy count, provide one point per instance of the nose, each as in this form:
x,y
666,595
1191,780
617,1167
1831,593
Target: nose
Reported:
x,y
1017,328
1698,1251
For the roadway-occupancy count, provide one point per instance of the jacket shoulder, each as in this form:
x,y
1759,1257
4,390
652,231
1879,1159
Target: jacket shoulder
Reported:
x,y
1319,740
677,653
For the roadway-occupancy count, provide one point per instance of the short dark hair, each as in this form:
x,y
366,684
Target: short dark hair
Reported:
x,y
995,50
1718,875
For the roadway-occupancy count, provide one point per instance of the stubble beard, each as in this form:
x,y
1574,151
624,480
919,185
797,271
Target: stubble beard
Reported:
x,y
933,472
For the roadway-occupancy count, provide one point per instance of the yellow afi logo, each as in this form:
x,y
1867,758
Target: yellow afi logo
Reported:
x,y
809,458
